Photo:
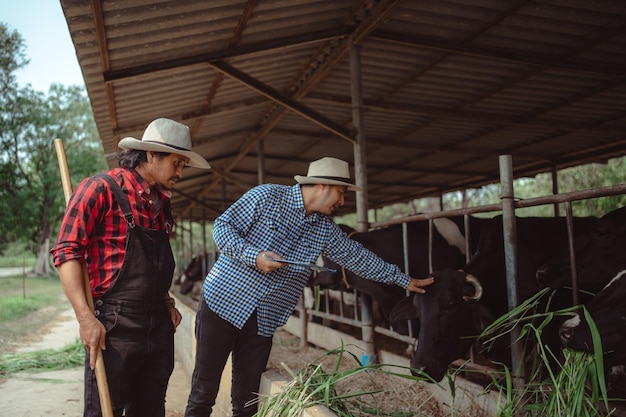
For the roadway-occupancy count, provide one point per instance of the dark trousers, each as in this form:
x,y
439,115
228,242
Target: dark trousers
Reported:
x,y
139,359
215,340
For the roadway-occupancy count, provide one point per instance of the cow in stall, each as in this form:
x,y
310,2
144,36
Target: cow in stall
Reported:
x,y
608,311
461,303
599,256
600,269
193,275
448,250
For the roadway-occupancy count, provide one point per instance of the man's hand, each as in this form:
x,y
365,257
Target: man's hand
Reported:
x,y
415,285
265,263
175,316
92,334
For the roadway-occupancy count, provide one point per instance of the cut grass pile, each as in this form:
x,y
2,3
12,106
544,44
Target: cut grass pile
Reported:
x,y
70,356
329,382
577,388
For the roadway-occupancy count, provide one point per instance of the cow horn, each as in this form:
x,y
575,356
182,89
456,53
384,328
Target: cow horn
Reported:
x,y
478,289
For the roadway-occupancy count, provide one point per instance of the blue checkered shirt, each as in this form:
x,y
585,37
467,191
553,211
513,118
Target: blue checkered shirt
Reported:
x,y
271,217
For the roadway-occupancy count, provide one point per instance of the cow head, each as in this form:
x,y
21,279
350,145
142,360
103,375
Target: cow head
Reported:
x,y
609,316
450,315
598,253
194,272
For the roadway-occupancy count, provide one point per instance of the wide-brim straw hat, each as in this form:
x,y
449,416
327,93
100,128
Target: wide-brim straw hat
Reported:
x,y
330,171
165,135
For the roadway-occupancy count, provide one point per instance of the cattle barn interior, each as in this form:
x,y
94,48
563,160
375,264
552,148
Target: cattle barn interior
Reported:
x,y
422,97
434,91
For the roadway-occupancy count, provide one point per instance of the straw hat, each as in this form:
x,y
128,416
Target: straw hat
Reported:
x,y
165,135
328,170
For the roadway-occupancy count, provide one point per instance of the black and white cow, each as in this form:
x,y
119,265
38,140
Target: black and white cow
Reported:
x,y
608,311
599,256
459,304
448,250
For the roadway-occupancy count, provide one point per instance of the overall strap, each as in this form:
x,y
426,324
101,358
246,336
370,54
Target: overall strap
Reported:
x,y
121,198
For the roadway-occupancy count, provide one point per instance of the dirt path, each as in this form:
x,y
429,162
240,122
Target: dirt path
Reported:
x,y
60,393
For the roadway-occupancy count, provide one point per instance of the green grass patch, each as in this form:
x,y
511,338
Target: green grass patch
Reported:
x,y
26,306
21,296
575,387
21,261
70,356
15,307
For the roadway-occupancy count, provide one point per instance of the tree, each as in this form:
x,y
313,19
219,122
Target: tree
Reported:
x,y
32,192
12,58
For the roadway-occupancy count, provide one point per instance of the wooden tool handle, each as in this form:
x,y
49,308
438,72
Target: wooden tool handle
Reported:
x,y
101,376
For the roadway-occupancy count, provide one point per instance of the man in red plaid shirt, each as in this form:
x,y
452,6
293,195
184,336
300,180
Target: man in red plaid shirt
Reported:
x,y
119,224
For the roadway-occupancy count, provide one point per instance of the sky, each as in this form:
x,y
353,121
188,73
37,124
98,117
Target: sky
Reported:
x,y
48,43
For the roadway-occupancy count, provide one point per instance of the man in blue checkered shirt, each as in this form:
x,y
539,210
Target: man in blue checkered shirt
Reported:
x,y
247,294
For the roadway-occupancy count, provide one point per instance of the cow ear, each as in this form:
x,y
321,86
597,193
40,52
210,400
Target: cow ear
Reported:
x,y
404,310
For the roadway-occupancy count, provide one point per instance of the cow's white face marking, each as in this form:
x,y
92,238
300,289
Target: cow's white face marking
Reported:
x,y
573,322
450,231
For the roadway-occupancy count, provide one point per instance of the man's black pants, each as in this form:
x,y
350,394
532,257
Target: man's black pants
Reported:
x,y
215,340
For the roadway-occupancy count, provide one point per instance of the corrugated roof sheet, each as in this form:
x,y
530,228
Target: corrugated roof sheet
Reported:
x,y
448,86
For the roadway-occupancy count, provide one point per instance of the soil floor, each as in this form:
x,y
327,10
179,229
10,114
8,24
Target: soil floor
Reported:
x,y
60,393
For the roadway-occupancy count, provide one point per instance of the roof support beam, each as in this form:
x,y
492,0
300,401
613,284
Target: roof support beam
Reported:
x,y
279,98
293,41
338,49
98,17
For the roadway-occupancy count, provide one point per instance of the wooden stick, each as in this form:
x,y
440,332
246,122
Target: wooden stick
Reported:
x,y
101,376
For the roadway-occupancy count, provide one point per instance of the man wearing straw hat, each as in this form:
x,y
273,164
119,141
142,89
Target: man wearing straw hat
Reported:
x,y
249,292
119,223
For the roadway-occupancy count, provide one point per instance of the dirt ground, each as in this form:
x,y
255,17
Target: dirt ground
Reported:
x,y
60,393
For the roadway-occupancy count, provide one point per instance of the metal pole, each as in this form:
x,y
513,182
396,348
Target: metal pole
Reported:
x,y
572,252
205,253
360,174
261,160
510,252
431,225
304,323
193,250
405,254
223,194
555,189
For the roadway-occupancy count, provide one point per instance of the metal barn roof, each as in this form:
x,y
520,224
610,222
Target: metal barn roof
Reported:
x,y
447,87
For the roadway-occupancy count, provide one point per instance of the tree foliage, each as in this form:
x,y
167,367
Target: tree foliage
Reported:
x,y
31,197
579,178
12,58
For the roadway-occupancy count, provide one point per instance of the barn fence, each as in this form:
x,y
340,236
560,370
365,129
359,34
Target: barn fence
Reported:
x,y
359,316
